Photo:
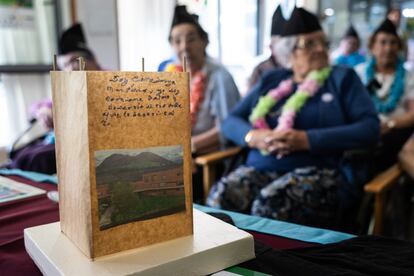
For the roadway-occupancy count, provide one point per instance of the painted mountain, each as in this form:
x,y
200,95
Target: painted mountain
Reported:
x,y
127,168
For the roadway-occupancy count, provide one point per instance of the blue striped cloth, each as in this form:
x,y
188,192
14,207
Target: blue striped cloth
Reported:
x,y
246,222
34,176
281,228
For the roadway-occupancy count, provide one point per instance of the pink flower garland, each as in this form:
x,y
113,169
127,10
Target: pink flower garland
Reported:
x,y
278,93
197,89
284,89
306,90
287,118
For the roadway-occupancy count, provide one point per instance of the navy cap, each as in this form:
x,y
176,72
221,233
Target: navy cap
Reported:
x,y
301,22
73,40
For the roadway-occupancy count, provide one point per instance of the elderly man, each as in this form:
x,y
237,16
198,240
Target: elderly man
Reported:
x,y
392,90
72,45
39,155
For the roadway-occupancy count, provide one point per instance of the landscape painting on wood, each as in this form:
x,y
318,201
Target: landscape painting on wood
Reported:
x,y
139,184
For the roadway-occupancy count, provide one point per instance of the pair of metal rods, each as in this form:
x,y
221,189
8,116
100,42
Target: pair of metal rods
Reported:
x,y
82,63
184,62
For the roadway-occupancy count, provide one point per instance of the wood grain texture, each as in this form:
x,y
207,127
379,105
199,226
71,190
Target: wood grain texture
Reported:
x,y
208,162
81,99
217,156
383,181
72,156
379,186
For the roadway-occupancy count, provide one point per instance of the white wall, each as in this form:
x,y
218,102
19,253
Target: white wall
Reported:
x,y
311,5
65,12
99,21
17,94
30,42
19,91
143,32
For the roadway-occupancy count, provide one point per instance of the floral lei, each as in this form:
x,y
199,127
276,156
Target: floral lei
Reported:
x,y
388,104
308,88
197,88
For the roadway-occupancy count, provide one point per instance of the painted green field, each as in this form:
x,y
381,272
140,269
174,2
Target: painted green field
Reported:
x,y
125,206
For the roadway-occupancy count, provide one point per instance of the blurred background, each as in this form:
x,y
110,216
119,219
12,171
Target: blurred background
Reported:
x,y
121,32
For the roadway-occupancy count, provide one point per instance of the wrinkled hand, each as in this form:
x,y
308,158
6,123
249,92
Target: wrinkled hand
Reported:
x,y
284,142
258,138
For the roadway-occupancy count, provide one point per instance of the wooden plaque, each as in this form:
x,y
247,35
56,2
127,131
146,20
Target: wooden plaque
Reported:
x,y
123,158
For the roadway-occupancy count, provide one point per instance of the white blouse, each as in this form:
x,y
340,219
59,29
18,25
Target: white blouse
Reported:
x,y
386,81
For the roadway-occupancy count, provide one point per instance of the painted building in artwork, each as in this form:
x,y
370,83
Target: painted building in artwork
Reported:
x,y
168,180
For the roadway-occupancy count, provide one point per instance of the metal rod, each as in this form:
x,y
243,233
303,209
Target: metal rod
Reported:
x,y
54,65
81,64
184,64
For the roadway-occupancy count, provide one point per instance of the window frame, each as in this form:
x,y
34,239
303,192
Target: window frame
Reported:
x,y
40,67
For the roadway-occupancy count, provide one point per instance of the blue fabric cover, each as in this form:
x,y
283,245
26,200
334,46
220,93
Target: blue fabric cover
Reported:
x,y
280,228
34,176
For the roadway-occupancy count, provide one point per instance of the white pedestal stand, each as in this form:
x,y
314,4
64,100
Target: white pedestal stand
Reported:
x,y
214,246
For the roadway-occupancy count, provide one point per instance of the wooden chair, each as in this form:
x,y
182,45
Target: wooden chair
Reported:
x,y
209,162
377,187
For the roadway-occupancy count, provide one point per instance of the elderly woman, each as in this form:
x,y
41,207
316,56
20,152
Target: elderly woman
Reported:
x,y
212,89
297,125
392,90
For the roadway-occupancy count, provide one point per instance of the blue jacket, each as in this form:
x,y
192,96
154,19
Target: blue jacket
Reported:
x,y
351,60
338,117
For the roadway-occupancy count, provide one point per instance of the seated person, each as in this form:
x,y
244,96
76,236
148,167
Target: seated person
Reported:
x,y
399,204
39,156
392,91
297,124
212,89
350,55
394,15
272,62
406,157
72,45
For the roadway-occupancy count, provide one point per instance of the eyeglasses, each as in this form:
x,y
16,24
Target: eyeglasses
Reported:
x,y
391,42
187,40
307,44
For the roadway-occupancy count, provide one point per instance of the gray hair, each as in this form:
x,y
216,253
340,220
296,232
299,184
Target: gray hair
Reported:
x,y
284,47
